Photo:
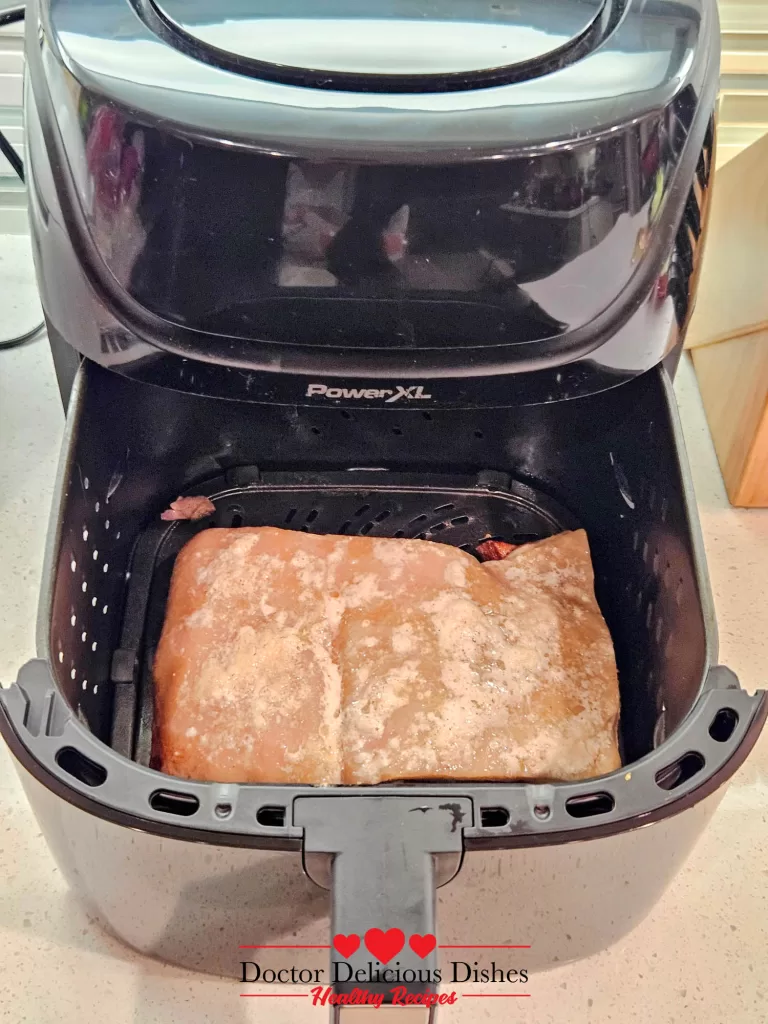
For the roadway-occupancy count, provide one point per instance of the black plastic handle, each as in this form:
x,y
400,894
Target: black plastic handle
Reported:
x,y
387,853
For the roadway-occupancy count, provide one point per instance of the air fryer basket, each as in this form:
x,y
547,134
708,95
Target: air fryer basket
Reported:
x,y
79,720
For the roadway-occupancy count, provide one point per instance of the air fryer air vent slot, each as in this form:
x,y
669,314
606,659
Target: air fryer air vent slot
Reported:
x,y
680,771
81,767
169,802
494,817
589,804
723,724
271,817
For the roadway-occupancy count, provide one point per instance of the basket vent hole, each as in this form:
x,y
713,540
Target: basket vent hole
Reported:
x,y
315,430
271,817
723,724
345,526
466,547
397,431
427,415
680,771
443,508
437,527
346,415
81,767
494,817
222,810
366,528
421,536
399,533
291,513
236,517
72,620
385,514
362,510
169,802
590,804
460,521
418,519
479,435
312,516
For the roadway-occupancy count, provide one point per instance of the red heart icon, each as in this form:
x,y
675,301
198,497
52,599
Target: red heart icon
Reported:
x,y
384,945
346,944
422,945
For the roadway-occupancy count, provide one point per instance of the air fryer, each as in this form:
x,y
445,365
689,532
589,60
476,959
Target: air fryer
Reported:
x,y
393,270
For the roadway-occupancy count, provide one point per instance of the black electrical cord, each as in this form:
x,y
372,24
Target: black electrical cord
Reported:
x,y
11,156
11,14
8,17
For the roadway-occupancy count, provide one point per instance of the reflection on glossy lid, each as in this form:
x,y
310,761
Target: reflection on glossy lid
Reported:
x,y
384,37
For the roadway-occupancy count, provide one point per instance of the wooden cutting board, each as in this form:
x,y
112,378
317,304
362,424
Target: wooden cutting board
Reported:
x,y
732,294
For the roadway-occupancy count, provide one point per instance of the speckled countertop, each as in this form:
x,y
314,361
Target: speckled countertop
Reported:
x,y
701,957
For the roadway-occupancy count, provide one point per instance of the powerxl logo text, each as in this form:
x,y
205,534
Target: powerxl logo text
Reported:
x,y
393,394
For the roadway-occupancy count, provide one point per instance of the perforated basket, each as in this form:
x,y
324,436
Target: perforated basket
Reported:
x,y
79,719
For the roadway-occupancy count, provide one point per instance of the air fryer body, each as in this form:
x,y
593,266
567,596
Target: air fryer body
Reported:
x,y
214,218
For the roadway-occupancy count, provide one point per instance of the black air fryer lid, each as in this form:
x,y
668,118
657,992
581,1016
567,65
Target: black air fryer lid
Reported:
x,y
401,190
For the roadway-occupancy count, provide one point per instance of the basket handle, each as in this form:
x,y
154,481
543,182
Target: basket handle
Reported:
x,y
388,854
